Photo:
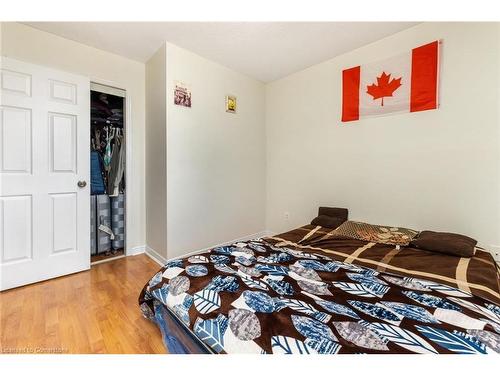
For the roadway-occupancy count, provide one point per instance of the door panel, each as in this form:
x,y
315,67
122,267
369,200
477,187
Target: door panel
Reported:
x,y
15,229
15,132
16,83
63,92
44,130
64,222
63,142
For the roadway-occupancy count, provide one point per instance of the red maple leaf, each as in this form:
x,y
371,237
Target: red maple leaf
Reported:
x,y
384,87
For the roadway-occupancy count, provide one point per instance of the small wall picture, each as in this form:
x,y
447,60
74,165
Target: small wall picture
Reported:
x,y
182,95
231,104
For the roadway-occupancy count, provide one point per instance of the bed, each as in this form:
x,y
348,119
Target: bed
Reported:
x,y
308,291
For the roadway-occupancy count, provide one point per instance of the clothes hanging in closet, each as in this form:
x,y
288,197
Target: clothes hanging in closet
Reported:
x,y
107,141
107,172
96,179
117,166
110,134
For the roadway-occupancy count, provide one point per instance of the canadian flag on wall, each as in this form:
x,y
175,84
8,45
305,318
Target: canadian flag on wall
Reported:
x,y
404,83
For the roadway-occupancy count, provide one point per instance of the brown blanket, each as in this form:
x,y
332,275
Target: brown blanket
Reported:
x,y
478,274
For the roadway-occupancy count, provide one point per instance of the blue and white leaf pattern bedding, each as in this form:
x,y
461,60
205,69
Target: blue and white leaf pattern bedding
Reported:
x,y
281,287
211,331
375,311
221,283
156,279
196,270
313,264
262,297
312,329
364,278
302,307
253,283
403,338
273,270
174,263
362,289
161,294
494,308
411,311
430,300
259,301
289,345
337,308
455,341
219,259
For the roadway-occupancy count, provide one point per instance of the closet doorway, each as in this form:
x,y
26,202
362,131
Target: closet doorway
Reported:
x,y
108,177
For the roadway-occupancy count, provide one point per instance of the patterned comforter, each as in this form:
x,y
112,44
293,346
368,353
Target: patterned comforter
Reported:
x,y
275,296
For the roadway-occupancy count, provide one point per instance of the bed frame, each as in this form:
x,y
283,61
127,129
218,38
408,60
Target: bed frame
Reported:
x,y
178,339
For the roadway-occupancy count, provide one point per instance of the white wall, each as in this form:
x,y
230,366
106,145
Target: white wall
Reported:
x,y
156,148
38,47
429,170
215,160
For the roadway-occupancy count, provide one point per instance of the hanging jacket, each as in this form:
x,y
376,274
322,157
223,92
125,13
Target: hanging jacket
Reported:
x,y
117,167
107,151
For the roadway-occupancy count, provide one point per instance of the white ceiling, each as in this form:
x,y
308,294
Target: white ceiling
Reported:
x,y
264,50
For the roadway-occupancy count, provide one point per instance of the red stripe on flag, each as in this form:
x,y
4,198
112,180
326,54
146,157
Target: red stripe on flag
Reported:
x,y
350,94
424,71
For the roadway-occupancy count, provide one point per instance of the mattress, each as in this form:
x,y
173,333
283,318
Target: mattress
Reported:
x,y
309,292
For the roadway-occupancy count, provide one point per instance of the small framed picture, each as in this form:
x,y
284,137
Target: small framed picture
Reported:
x,y
182,95
230,104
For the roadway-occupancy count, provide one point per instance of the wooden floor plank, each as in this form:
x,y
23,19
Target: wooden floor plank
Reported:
x,y
94,311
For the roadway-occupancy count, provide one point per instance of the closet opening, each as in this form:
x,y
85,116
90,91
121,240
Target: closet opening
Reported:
x,y
107,173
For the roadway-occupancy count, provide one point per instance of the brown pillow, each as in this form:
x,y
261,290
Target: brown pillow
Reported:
x,y
447,243
338,212
327,221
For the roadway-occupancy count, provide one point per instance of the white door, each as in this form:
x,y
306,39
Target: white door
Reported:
x,y
44,153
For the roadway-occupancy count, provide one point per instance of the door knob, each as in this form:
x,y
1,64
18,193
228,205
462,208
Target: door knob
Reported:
x,y
82,184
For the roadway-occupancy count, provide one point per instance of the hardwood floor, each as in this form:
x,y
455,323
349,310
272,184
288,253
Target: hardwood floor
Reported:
x,y
94,311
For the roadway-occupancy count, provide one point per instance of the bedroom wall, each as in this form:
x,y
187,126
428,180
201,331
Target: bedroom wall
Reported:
x,y
156,149
215,160
28,44
429,170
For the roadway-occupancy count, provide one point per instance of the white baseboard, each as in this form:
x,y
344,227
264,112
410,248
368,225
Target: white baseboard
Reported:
x,y
153,254
136,250
162,260
107,260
